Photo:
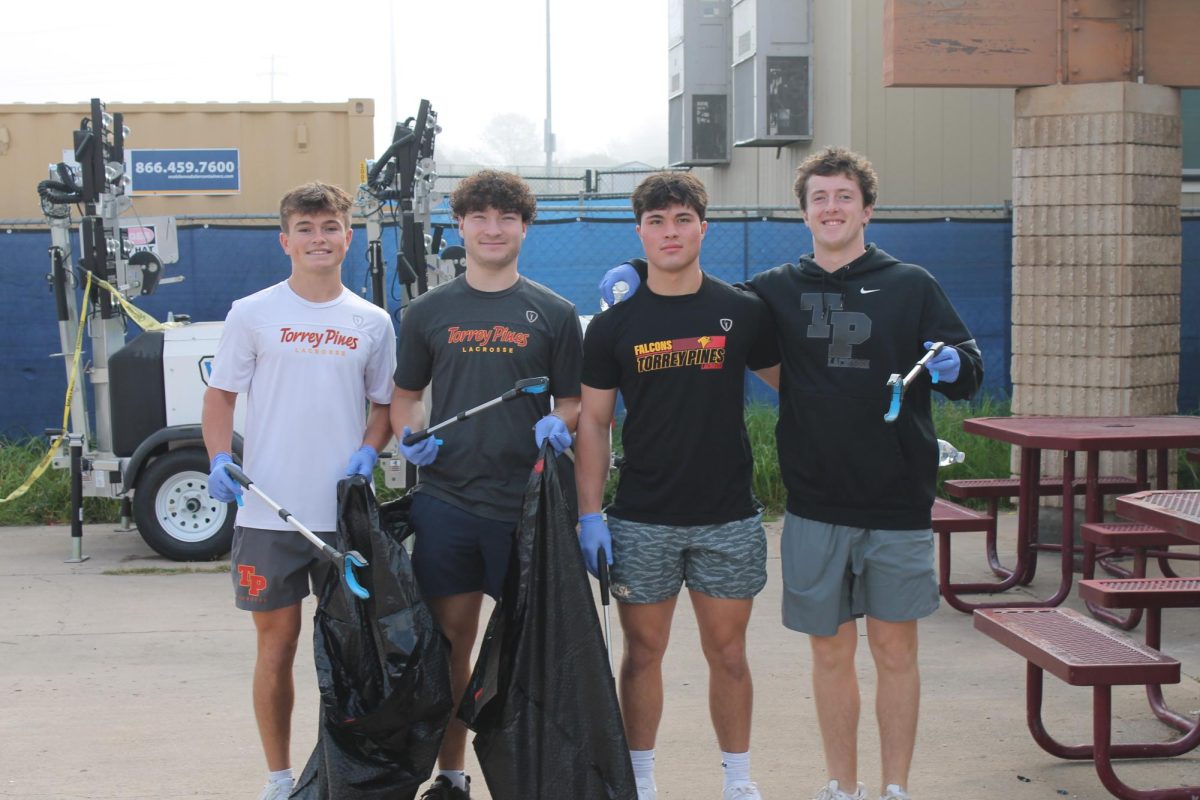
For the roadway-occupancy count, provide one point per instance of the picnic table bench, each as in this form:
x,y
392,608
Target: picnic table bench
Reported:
x,y
1144,541
1084,652
950,518
1151,595
993,490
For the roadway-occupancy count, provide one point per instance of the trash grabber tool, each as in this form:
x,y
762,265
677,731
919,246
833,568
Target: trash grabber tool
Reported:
x,y
345,562
602,563
899,387
521,387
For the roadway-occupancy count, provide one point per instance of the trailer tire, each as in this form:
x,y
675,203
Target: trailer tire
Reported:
x,y
175,513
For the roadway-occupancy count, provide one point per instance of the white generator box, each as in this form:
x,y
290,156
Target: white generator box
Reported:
x,y
188,354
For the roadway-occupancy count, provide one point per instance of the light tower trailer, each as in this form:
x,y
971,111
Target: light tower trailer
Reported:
x,y
145,448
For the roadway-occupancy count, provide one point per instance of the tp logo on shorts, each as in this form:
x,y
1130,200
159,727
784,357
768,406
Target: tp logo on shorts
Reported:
x,y
249,578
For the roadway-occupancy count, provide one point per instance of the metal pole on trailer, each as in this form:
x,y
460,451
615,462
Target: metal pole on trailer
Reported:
x,y
76,445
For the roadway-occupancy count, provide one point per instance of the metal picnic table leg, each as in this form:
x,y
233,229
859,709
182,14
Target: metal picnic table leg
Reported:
x,y
1154,693
1027,509
1106,751
1101,724
1067,552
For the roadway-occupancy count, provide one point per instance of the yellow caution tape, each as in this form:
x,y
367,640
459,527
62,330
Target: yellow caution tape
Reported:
x,y
46,459
139,317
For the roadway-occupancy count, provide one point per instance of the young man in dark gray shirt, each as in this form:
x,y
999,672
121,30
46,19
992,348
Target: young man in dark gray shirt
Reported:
x,y
471,340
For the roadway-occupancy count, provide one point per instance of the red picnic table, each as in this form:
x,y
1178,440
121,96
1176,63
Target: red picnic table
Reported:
x,y
1084,652
1071,435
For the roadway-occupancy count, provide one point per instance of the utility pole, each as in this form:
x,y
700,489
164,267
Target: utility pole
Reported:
x,y
392,56
272,73
548,133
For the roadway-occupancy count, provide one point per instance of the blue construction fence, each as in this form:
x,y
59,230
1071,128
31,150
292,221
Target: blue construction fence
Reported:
x,y
568,253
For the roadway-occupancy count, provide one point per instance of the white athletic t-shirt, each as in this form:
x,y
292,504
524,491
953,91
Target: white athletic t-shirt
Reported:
x,y
307,370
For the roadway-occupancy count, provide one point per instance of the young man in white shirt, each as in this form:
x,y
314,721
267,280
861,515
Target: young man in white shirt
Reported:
x,y
309,355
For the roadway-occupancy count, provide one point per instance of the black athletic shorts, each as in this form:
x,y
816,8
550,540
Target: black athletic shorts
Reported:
x,y
457,551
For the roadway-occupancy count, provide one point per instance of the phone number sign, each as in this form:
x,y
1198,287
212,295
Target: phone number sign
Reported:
x,y
185,171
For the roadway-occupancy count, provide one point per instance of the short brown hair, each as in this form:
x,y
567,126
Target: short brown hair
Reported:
x,y
662,189
838,161
490,188
315,198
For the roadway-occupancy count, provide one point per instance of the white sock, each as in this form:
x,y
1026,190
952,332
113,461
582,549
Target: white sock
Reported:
x,y
737,767
456,776
643,764
894,788
282,776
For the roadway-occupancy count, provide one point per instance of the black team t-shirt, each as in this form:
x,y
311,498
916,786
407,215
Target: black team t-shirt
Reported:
x,y
473,346
680,364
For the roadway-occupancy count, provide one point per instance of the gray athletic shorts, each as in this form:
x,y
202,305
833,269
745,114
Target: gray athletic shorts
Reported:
x,y
832,574
651,562
273,569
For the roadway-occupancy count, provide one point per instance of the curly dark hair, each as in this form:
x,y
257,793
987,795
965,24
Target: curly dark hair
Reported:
x,y
490,188
837,161
661,189
315,198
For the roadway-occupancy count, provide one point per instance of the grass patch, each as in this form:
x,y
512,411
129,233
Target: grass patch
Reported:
x,y
48,501
216,569
986,458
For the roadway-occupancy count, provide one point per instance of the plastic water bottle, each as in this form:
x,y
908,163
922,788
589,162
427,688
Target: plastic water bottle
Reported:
x,y
949,455
620,289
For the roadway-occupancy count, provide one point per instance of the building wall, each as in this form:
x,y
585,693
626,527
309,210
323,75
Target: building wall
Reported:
x,y
280,145
930,146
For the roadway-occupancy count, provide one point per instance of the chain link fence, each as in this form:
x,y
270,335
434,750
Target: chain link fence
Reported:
x,y
570,246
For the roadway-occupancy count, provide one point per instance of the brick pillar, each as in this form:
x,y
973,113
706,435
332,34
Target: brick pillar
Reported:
x,y
1096,253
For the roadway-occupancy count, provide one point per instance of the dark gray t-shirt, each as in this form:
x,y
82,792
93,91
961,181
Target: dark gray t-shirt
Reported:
x,y
473,346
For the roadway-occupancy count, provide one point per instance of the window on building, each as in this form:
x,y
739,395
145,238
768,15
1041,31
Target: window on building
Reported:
x,y
1190,115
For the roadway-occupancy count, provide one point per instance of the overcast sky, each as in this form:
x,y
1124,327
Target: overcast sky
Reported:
x,y
472,59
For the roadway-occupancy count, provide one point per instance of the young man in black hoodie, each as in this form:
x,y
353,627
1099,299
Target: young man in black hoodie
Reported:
x,y
856,537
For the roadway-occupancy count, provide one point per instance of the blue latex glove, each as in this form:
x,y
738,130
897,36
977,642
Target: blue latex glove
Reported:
x,y
553,428
945,365
421,454
220,485
363,461
593,534
624,272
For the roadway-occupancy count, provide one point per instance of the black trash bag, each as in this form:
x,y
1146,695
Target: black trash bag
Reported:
x,y
541,700
382,665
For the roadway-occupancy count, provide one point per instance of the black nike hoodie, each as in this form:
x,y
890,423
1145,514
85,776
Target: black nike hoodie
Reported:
x,y
841,335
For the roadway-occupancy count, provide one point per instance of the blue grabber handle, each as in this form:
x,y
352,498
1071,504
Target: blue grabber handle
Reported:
x,y
897,391
346,562
898,385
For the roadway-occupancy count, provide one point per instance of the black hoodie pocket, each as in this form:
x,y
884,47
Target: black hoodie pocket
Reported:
x,y
837,452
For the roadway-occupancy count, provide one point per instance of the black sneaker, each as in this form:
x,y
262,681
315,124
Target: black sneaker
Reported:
x,y
443,789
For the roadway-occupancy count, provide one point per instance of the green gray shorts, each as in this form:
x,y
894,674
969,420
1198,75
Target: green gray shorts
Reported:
x,y
652,562
833,574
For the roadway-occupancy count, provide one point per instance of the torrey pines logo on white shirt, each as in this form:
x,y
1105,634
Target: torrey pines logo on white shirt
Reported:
x,y
329,342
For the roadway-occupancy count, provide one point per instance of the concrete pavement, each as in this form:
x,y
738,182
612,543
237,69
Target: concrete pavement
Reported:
x,y
128,676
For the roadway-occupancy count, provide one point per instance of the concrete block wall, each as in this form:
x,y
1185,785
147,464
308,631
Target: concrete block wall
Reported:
x,y
1096,254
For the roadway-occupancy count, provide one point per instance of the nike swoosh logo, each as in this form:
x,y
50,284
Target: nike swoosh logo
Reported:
x,y
867,291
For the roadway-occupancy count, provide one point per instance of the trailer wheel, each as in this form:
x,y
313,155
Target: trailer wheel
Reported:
x,y
174,512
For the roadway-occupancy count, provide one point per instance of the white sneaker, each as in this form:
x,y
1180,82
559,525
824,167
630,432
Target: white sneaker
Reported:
x,y
834,792
894,792
646,790
746,790
278,790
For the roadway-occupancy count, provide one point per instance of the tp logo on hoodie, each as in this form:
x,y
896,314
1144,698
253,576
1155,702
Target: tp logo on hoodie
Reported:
x,y
844,329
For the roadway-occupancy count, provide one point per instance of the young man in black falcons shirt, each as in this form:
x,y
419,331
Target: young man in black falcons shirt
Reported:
x,y
684,509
